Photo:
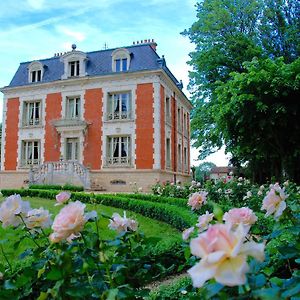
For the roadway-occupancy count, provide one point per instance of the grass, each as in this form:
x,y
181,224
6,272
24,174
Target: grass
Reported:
x,y
159,232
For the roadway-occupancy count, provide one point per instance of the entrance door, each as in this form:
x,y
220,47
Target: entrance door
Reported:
x,y
72,148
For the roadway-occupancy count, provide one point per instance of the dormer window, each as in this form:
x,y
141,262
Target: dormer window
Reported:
x,y
121,65
35,72
74,68
74,64
120,60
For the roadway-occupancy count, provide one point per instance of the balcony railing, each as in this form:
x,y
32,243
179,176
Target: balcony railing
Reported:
x,y
26,163
119,115
118,161
31,122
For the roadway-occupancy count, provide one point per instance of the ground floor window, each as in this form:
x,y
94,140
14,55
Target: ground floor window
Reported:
x,y
118,150
30,153
72,148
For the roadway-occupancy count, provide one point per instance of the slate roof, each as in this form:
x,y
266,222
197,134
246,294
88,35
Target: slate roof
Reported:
x,y
143,57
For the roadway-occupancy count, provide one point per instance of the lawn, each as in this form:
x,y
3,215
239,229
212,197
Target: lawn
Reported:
x,y
159,232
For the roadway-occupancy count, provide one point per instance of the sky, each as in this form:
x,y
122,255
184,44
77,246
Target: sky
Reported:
x,y
35,29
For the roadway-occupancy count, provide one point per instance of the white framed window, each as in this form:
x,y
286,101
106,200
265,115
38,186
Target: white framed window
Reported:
x,y
179,127
30,154
36,76
179,158
168,110
32,113
168,153
72,149
35,71
120,60
119,106
74,64
185,159
73,107
74,68
121,64
118,151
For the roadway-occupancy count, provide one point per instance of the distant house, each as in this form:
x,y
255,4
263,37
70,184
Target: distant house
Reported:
x,y
110,117
220,173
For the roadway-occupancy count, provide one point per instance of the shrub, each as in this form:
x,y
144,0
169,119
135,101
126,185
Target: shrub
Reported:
x,y
66,187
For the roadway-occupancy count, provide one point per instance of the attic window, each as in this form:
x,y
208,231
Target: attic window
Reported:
x,y
74,64
74,68
35,72
120,60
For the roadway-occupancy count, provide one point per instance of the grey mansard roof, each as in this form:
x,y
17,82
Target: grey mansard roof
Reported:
x,y
99,63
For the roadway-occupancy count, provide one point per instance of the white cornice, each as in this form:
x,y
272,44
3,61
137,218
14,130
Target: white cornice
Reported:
x,y
97,80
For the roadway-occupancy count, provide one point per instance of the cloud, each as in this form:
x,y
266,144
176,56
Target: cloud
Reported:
x,y
36,4
78,36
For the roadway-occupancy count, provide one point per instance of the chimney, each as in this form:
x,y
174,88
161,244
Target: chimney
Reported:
x,y
150,42
153,44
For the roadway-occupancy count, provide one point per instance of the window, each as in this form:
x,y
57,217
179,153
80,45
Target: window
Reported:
x,y
179,158
185,124
179,119
121,65
74,64
168,110
119,106
118,151
120,60
30,153
74,68
73,108
72,148
35,71
168,153
36,76
185,160
32,113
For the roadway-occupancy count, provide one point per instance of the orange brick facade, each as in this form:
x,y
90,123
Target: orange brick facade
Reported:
x,y
52,138
11,140
162,129
93,140
144,126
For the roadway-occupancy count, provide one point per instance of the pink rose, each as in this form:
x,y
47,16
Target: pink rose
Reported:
x,y
223,254
11,209
187,232
274,202
196,200
204,220
122,224
242,215
62,197
38,218
69,222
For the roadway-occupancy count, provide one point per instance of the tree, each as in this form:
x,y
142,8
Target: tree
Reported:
x,y
203,170
244,96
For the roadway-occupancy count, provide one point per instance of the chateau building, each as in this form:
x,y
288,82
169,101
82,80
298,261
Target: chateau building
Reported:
x,y
111,119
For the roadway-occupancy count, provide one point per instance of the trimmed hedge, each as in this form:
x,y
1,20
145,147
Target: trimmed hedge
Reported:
x,y
176,216
181,202
66,187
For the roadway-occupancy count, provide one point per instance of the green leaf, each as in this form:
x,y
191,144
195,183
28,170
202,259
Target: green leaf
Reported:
x,y
43,296
54,274
295,291
112,294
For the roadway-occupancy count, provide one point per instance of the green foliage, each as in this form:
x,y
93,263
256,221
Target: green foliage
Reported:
x,y
65,187
245,83
203,170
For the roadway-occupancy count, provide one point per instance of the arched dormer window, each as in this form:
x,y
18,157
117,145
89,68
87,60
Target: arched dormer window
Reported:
x,y
35,71
120,60
74,64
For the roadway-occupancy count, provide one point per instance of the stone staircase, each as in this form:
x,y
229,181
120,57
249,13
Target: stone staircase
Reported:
x,y
60,172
